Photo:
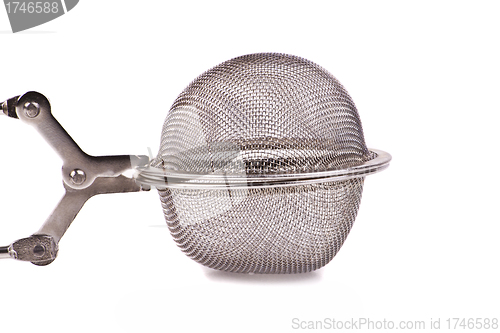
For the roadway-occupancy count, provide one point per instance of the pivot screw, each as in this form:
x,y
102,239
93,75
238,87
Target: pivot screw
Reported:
x,y
77,176
38,250
31,109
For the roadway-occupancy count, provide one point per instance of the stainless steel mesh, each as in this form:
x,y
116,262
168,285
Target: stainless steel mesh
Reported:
x,y
291,229
255,116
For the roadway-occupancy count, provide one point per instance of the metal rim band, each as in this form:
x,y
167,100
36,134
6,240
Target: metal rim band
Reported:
x,y
161,179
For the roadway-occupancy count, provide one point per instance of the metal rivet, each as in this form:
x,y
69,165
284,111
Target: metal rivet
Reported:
x,y
31,109
77,176
38,250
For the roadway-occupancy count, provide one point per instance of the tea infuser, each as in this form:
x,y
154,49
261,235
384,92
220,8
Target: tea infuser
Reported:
x,y
260,169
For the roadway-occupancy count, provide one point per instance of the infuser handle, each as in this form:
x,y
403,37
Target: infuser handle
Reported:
x,y
83,177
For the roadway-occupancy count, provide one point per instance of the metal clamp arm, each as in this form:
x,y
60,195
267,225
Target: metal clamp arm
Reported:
x,y
83,175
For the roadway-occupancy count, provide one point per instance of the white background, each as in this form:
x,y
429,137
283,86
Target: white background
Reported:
x,y
425,77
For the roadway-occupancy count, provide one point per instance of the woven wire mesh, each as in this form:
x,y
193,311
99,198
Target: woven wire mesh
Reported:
x,y
261,115
292,229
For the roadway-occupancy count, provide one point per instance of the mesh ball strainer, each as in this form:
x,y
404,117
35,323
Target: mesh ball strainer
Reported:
x,y
263,162
260,169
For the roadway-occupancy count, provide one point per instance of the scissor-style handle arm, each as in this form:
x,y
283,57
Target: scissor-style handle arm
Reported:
x,y
83,177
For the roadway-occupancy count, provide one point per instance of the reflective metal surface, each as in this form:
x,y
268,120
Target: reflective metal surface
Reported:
x,y
261,166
